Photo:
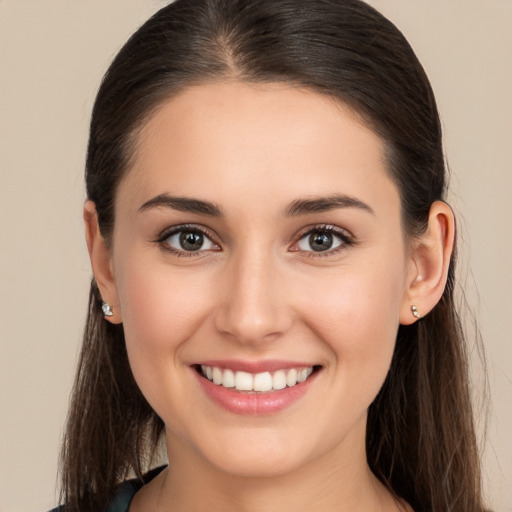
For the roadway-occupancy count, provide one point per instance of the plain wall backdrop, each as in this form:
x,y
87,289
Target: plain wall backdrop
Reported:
x,y
52,56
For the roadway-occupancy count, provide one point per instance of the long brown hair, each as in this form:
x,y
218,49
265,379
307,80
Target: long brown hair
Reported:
x,y
420,435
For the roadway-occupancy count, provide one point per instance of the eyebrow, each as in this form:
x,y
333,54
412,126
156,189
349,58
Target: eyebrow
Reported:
x,y
294,209
324,204
183,204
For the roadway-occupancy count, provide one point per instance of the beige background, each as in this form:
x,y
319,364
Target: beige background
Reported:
x,y
52,56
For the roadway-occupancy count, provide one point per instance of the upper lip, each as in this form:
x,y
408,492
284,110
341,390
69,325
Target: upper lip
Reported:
x,y
254,366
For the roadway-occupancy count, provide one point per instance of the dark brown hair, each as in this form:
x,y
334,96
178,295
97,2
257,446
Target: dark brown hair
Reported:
x,y
420,435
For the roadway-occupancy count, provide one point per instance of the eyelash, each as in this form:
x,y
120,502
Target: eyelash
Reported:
x,y
184,228
345,238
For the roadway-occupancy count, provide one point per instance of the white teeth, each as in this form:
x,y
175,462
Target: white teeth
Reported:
x,y
291,378
303,375
262,382
217,375
279,380
243,381
228,379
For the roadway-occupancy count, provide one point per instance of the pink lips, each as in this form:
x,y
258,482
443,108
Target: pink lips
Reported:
x,y
254,403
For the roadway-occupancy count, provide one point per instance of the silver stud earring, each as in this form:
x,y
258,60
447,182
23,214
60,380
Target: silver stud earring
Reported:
x,y
415,311
107,309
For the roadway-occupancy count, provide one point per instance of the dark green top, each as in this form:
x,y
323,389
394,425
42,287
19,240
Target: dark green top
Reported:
x,y
125,493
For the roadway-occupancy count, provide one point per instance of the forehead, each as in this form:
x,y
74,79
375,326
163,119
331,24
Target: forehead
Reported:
x,y
235,140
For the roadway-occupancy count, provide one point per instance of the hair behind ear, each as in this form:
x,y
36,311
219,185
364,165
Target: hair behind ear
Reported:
x,y
426,397
111,429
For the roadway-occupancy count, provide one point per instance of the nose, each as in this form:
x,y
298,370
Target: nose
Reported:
x,y
254,306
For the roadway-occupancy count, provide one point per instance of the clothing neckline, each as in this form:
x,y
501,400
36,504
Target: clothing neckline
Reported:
x,y
127,490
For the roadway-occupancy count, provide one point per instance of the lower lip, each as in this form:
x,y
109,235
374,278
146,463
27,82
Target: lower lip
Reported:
x,y
255,404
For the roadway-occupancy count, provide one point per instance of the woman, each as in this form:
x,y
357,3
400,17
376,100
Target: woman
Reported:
x,y
273,272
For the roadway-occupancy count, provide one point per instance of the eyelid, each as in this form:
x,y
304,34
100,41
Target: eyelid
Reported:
x,y
347,239
173,230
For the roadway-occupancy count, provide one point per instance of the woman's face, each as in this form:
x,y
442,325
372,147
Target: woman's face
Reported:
x,y
258,239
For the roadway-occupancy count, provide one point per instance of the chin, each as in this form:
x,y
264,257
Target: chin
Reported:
x,y
253,465
259,454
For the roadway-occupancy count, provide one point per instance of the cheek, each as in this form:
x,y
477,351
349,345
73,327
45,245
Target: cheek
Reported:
x,y
161,310
158,304
357,300
356,314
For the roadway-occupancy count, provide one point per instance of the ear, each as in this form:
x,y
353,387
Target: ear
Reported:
x,y
430,259
101,262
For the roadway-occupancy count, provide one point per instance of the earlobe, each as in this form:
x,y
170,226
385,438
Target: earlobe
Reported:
x,y
430,261
101,262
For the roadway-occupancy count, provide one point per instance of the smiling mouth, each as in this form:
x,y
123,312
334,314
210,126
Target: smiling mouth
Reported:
x,y
263,382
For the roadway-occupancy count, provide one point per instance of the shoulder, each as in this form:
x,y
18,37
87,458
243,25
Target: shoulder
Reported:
x,y
124,494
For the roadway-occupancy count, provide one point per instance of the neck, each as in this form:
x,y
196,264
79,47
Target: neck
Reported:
x,y
338,481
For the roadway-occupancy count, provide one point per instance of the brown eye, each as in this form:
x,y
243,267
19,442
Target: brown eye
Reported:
x,y
320,241
188,240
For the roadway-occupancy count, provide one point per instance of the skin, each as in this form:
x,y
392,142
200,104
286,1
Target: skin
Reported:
x,y
258,291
